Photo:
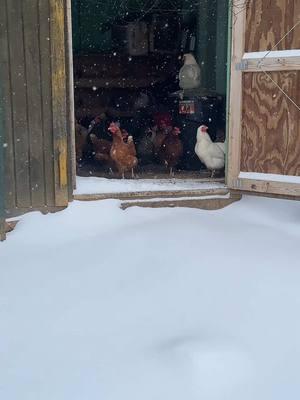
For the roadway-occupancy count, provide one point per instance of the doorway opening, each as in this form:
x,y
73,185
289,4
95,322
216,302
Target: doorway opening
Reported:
x,y
127,61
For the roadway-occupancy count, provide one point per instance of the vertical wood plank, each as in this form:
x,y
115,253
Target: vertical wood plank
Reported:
x,y
34,101
235,103
6,101
46,98
2,187
70,98
59,106
19,102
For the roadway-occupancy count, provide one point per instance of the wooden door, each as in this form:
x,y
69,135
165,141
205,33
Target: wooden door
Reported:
x,y
264,114
36,104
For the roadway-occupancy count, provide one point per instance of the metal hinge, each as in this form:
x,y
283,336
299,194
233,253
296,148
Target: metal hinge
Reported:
x,y
241,66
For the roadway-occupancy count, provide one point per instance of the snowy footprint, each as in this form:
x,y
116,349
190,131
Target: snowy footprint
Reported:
x,y
211,370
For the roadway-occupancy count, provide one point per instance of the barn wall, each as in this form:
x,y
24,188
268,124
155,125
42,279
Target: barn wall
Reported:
x,y
271,123
33,77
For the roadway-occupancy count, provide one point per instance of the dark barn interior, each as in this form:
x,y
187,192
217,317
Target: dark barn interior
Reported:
x,y
127,58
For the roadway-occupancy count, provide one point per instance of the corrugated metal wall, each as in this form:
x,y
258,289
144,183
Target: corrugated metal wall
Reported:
x,y
36,101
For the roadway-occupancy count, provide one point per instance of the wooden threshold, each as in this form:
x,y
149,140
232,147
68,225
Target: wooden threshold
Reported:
x,y
205,199
152,194
265,194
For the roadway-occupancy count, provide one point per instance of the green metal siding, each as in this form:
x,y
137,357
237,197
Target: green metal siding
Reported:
x,y
212,43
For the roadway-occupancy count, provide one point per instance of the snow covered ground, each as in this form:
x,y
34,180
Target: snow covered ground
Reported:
x,y
152,304
94,185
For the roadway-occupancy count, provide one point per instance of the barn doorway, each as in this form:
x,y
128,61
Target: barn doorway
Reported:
x,y
127,57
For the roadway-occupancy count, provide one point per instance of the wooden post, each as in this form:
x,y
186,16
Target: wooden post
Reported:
x,y
2,192
235,103
228,79
59,100
70,98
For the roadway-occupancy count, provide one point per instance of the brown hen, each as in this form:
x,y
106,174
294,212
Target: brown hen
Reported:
x,y
81,144
123,154
171,150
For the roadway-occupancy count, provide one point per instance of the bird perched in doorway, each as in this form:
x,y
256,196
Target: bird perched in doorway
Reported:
x,y
190,73
81,135
163,126
101,149
211,154
123,154
171,150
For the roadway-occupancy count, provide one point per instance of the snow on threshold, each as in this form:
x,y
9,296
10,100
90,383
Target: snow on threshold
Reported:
x,y
92,185
270,177
152,304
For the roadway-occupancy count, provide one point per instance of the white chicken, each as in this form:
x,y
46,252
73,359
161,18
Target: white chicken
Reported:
x,y
190,73
210,153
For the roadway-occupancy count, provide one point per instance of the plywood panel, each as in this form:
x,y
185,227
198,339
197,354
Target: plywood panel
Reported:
x,y
268,21
270,124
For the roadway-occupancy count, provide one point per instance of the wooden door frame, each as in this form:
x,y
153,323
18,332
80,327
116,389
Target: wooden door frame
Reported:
x,y
2,192
70,97
240,63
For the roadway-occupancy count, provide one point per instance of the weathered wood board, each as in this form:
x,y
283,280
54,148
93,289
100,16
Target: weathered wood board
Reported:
x,y
33,72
